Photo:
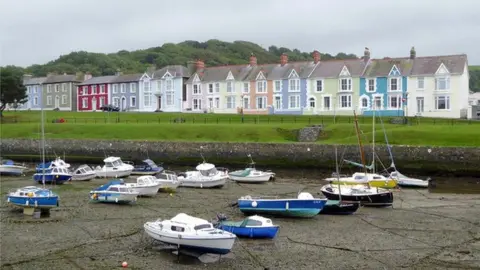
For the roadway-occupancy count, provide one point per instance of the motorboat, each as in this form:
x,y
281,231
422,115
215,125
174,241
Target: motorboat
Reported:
x,y
145,186
33,197
305,205
55,175
191,233
56,163
146,167
114,191
372,179
406,181
205,176
251,227
367,196
114,168
250,174
83,173
8,167
168,180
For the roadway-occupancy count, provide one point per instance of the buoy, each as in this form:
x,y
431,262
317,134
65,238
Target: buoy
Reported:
x,y
124,264
171,194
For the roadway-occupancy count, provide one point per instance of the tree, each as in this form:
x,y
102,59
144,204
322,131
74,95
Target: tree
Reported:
x,y
12,90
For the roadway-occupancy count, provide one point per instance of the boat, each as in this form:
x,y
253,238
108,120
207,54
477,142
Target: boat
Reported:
x,y
373,179
33,197
8,167
191,233
147,167
56,175
405,181
367,196
113,168
251,227
114,191
56,163
145,186
83,173
250,174
305,205
168,180
205,176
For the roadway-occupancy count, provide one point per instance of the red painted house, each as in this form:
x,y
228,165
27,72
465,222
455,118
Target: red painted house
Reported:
x,y
93,92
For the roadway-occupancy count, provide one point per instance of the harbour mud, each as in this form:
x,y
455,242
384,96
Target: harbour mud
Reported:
x,y
423,231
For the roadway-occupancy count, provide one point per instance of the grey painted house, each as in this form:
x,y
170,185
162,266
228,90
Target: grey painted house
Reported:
x,y
60,91
124,92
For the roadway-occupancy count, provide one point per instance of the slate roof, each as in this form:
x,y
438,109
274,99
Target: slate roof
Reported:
x,y
98,80
382,67
127,78
429,65
175,71
333,68
61,79
34,80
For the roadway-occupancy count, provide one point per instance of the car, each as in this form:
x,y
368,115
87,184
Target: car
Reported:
x,y
110,108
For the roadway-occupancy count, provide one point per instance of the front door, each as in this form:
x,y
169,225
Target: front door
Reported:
x,y
420,105
57,102
159,102
94,104
124,103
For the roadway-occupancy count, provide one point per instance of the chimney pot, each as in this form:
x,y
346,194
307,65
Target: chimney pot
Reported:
x,y
283,59
413,53
253,60
316,56
199,65
87,76
366,54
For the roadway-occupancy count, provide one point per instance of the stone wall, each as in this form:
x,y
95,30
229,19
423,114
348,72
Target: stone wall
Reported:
x,y
458,160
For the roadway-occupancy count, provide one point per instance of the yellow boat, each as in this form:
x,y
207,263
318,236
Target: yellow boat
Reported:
x,y
373,179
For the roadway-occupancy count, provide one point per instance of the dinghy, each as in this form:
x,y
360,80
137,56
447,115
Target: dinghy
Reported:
x,y
251,227
83,173
33,197
406,181
114,167
191,233
8,167
145,186
114,191
250,174
147,167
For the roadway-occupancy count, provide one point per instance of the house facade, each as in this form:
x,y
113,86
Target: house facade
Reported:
x,y
34,93
124,91
168,88
59,91
92,94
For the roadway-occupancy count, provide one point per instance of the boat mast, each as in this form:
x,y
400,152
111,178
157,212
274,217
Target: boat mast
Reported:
x,y
362,154
338,175
43,145
373,143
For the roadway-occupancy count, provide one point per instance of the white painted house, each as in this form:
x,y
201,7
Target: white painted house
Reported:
x,y
168,88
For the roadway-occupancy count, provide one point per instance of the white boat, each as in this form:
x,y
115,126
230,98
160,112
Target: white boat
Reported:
x,y
406,181
191,233
8,167
83,173
368,196
168,180
251,174
114,167
205,176
373,179
145,185
114,191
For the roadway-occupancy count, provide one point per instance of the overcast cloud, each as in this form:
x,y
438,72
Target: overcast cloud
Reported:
x,y
37,31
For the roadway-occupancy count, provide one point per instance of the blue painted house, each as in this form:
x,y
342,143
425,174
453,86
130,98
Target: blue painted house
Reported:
x,y
383,87
169,88
125,91
34,93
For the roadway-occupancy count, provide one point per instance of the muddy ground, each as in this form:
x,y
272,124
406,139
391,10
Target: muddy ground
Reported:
x,y
423,231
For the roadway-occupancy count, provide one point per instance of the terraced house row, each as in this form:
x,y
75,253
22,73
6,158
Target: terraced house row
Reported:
x,y
433,86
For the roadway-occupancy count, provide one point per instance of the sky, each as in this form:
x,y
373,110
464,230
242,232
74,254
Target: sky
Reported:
x,y
38,31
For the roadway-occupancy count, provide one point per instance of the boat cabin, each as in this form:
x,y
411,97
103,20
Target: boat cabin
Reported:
x,y
113,162
58,162
167,175
147,165
60,170
31,191
370,176
146,180
185,223
83,170
207,169
256,221
119,188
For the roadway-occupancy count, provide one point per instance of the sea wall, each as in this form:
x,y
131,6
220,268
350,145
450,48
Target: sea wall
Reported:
x,y
424,159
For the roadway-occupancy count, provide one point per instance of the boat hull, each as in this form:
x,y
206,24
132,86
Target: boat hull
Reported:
x,y
286,208
84,177
11,170
168,185
112,174
143,172
251,232
251,179
36,202
111,197
214,183
412,182
390,183
52,178
146,191
378,200
334,207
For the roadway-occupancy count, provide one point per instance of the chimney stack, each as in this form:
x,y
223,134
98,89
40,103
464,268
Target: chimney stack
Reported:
x,y
366,54
27,76
316,56
87,76
199,64
413,53
118,73
283,59
253,60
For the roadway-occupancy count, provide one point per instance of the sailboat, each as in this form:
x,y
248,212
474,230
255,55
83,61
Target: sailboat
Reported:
x,y
373,179
364,193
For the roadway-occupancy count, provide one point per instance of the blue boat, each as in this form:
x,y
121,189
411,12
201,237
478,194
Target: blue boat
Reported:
x,y
33,197
114,191
147,167
53,176
251,227
56,163
8,167
302,206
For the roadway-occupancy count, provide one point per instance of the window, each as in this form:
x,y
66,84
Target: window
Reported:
x,y
197,90
85,90
370,85
217,102
394,84
326,103
294,85
49,88
94,89
210,88
230,87
442,83
377,103
311,102
261,103
210,102
64,87
345,101
133,87
133,102
123,88
169,85
147,94
246,88
364,102
395,102
197,104
115,88
116,101
346,84
35,101
278,102
84,103
170,97
319,87
102,101
442,103
261,86
278,86
246,102
102,89
57,88
49,100
294,102
231,102
64,99
159,86
420,82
